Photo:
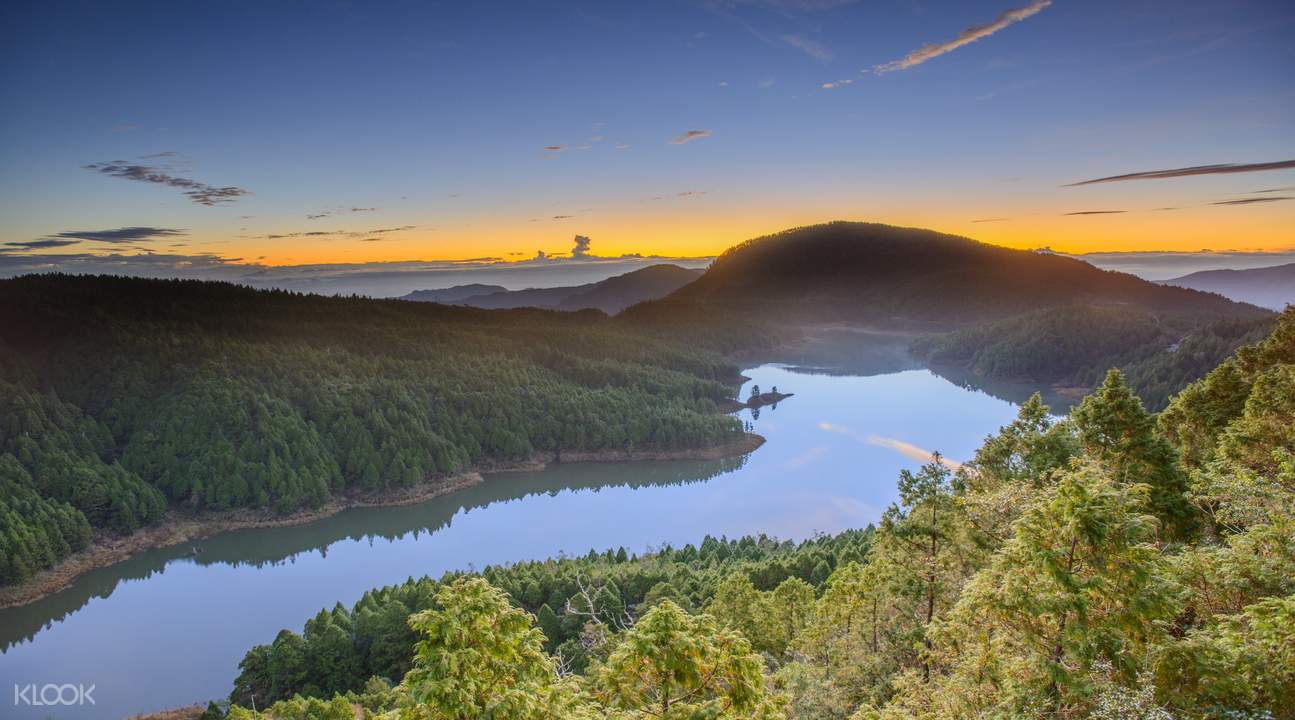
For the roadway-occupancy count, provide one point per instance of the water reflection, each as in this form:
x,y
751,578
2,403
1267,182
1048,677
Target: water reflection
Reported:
x,y
260,547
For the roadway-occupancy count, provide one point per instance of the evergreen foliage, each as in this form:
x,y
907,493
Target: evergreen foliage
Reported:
x,y
1110,564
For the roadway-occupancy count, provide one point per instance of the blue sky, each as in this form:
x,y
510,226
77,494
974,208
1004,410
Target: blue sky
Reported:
x,y
430,121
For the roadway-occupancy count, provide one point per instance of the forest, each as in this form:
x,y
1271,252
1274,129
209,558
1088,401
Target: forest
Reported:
x,y
124,399
1112,563
1074,346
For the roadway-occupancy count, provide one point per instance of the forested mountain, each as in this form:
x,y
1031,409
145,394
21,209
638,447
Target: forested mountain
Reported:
x,y
1270,287
1111,564
886,275
1005,314
610,296
119,397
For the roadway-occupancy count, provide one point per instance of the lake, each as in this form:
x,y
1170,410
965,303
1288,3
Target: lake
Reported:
x,y
167,628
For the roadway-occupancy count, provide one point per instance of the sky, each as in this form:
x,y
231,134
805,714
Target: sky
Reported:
x,y
245,137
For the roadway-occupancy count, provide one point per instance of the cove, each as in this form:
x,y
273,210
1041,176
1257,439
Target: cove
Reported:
x,y
167,628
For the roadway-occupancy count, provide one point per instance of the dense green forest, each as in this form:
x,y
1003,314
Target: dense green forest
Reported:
x,y
120,397
1159,353
1110,564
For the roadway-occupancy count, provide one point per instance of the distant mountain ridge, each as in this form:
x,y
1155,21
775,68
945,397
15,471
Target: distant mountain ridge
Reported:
x,y
454,295
610,296
1270,287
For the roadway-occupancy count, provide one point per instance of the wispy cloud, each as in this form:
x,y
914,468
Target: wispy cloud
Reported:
x,y
1096,212
335,211
120,235
690,136
336,233
1221,169
199,192
1272,190
966,37
42,244
985,220
164,153
1251,201
814,49
555,148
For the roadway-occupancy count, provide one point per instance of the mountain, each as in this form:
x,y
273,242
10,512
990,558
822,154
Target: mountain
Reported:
x,y
610,296
454,295
1003,314
1270,287
881,274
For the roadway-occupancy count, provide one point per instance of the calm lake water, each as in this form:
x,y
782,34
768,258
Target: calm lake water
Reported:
x,y
164,629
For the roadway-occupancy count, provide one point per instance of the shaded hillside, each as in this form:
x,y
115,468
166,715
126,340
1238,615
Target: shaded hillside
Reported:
x,y
1074,346
122,397
610,296
1270,287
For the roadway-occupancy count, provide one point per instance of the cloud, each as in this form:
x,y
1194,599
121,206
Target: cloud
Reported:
x,y
816,50
164,153
1096,212
42,244
563,217
985,220
966,37
1221,169
1250,201
836,84
120,235
1272,190
199,192
339,233
581,249
334,211
690,193
555,148
690,136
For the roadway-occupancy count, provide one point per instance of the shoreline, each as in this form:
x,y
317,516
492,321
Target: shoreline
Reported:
x,y
178,528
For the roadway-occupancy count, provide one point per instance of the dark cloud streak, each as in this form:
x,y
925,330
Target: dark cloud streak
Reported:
x,y
199,192
1251,201
1220,169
